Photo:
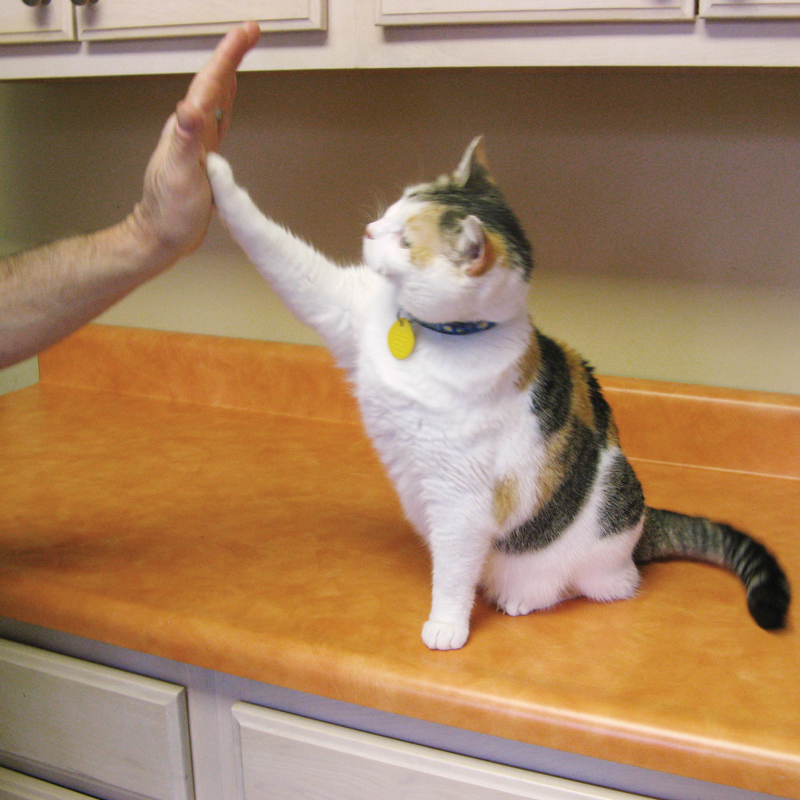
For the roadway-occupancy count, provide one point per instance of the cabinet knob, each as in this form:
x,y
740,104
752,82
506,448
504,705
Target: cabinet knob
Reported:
x,y
36,2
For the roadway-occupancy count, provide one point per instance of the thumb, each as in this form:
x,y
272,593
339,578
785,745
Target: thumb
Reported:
x,y
197,128
186,139
179,143
190,119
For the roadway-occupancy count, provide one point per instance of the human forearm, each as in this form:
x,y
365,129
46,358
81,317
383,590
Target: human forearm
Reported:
x,y
48,292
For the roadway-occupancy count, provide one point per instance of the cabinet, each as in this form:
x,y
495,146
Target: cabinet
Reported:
x,y
115,37
93,727
16,786
291,758
43,23
749,9
121,19
61,21
434,12
102,731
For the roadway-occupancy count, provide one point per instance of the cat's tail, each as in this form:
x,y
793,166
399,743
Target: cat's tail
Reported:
x,y
668,535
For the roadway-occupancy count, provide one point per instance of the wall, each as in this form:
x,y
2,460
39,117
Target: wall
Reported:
x,y
662,205
26,373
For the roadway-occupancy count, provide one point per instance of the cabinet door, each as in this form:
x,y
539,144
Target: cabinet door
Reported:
x,y
93,728
51,23
14,786
756,9
434,12
285,757
123,19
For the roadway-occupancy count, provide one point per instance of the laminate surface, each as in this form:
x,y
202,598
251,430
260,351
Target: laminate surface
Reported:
x,y
267,543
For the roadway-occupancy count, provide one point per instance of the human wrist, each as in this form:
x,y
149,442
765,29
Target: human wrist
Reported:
x,y
153,250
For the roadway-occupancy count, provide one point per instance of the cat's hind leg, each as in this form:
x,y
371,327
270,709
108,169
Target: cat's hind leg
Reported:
x,y
520,584
579,564
609,572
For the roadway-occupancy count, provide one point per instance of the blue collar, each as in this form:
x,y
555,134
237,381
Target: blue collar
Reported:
x,y
451,328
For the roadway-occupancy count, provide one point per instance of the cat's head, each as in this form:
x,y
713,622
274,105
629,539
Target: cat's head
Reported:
x,y
453,247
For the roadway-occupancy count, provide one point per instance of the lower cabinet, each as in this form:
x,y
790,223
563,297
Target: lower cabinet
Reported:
x,y
111,734
93,728
286,757
15,786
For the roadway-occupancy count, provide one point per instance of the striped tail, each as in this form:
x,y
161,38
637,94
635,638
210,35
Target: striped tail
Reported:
x,y
668,535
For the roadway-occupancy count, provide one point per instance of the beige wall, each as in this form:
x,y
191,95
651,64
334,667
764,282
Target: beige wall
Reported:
x,y
663,205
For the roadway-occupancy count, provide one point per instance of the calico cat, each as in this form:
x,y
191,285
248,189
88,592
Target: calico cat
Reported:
x,y
502,449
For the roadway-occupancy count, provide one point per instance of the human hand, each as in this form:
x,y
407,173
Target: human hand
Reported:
x,y
176,204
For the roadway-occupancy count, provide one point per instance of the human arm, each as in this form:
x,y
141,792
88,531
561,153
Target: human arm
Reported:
x,y
48,292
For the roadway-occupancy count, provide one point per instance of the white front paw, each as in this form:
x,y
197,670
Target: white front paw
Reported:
x,y
444,636
219,171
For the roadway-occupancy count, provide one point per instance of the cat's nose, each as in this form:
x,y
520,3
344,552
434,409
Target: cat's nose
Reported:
x,y
368,234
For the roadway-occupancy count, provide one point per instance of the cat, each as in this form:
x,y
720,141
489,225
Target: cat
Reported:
x,y
498,439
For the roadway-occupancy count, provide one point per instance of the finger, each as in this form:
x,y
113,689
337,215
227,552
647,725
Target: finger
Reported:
x,y
212,90
215,83
233,47
224,109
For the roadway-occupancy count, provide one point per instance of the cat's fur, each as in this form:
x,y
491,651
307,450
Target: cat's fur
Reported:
x,y
500,444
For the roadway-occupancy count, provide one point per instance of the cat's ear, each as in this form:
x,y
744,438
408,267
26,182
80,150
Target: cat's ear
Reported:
x,y
473,162
475,247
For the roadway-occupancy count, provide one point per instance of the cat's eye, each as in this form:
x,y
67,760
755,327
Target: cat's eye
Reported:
x,y
404,241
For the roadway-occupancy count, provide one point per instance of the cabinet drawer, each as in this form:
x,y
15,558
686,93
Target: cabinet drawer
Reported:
x,y
51,23
455,12
91,727
285,757
753,9
14,786
121,19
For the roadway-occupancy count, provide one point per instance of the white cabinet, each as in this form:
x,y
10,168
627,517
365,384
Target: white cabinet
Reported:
x,y
109,733
93,727
121,19
753,9
115,735
15,786
119,37
286,757
434,12
20,23
61,21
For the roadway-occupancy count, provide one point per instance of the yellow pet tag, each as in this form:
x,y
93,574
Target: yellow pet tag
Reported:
x,y
401,339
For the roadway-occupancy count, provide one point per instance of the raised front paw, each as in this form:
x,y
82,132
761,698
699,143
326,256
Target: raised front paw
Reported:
x,y
220,175
444,636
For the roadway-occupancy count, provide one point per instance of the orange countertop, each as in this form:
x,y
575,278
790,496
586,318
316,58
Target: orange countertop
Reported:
x,y
215,501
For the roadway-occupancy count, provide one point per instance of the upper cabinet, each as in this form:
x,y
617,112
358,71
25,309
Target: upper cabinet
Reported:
x,y
437,12
28,21
121,19
65,38
755,9
576,33
44,22
56,38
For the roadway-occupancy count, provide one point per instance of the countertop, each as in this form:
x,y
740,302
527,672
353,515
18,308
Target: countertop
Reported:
x,y
215,501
